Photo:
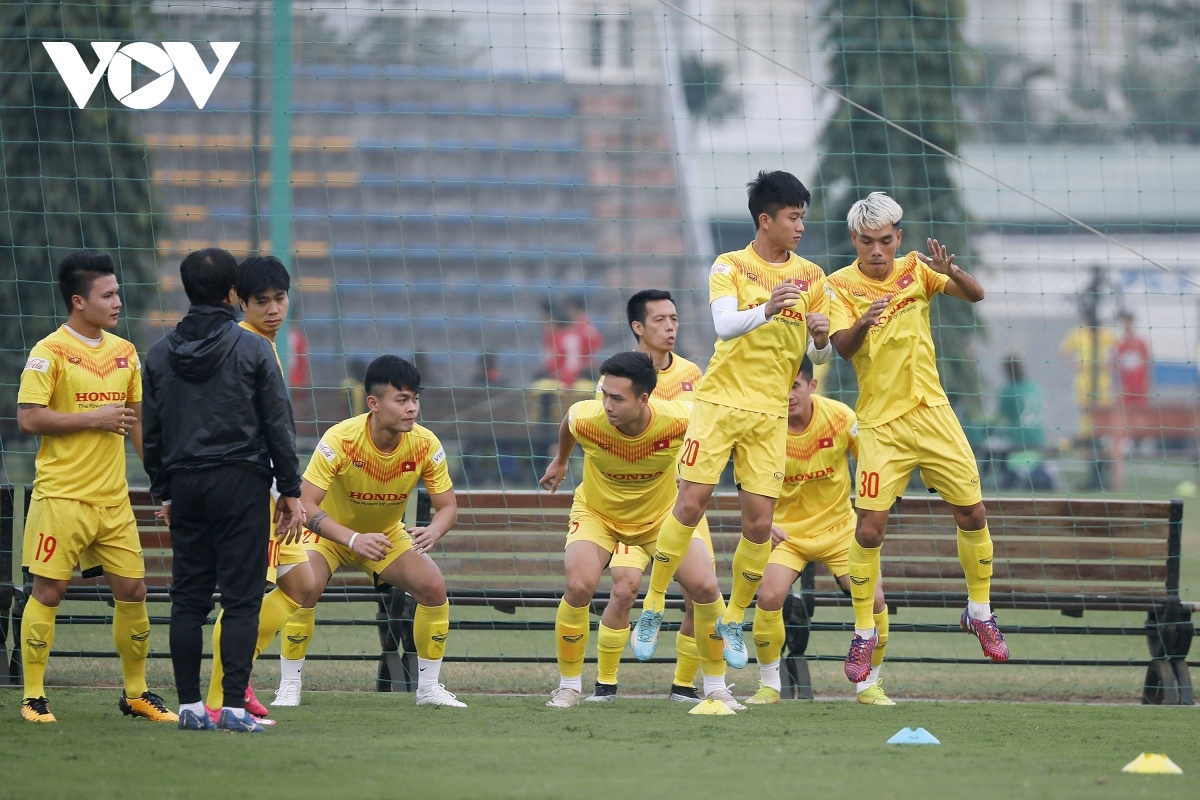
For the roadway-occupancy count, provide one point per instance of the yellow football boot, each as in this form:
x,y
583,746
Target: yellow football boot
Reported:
x,y
874,696
36,709
765,696
149,705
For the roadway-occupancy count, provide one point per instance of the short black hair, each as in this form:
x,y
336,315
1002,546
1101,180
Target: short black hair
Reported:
x,y
636,366
79,271
772,191
635,309
258,274
208,275
391,371
806,368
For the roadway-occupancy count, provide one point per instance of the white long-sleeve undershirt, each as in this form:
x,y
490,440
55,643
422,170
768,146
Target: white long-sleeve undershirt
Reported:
x,y
731,323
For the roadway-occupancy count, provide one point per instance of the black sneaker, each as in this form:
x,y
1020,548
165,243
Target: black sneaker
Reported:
x,y
684,694
605,693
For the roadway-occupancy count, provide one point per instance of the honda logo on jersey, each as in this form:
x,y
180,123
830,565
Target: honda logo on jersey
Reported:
x,y
164,61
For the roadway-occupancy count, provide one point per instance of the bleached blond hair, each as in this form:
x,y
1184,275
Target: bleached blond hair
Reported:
x,y
873,212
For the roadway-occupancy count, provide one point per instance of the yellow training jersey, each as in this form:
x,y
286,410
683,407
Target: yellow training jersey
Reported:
x,y
754,371
677,382
68,375
816,480
628,481
368,490
247,326
896,366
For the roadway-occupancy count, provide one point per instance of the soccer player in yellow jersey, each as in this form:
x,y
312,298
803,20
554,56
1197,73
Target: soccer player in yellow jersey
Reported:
x,y
357,485
630,445
81,391
262,287
814,521
654,321
880,319
766,303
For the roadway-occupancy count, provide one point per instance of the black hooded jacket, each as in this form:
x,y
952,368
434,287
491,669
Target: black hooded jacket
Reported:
x,y
213,395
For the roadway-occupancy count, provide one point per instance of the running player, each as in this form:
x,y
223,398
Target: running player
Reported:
x,y
630,443
814,521
263,286
881,319
355,490
767,305
654,321
81,391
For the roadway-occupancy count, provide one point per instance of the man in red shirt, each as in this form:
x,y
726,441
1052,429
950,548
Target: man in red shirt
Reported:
x,y
1133,364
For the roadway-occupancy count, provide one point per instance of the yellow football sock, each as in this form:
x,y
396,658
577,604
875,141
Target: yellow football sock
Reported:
x,y
687,660
131,633
277,609
570,637
975,555
674,538
708,643
216,694
768,636
881,630
37,637
430,626
864,573
610,643
298,633
749,561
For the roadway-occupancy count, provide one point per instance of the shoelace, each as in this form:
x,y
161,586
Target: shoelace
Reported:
x,y
736,642
154,700
39,704
643,631
859,646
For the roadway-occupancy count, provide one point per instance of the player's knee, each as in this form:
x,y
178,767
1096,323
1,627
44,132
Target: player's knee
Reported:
x,y
702,588
49,593
431,591
624,593
579,590
869,534
971,518
129,591
770,598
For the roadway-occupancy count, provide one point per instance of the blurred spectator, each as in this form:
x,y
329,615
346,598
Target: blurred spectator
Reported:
x,y
570,346
1019,407
1133,363
299,376
1090,348
488,373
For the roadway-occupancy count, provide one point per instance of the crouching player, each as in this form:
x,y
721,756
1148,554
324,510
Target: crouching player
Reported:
x,y
630,443
355,491
814,521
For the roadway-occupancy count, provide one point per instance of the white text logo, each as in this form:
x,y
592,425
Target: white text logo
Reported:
x,y
164,61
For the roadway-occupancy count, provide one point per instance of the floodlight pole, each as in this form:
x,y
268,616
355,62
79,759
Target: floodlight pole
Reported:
x,y
281,151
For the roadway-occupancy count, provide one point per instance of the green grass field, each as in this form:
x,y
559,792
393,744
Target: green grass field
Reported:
x,y
364,745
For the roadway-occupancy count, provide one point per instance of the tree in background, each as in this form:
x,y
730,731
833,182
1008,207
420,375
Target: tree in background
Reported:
x,y
73,178
1162,79
905,60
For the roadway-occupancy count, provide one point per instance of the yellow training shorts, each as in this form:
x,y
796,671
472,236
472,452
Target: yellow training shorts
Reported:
x,y
757,441
59,532
930,438
586,525
337,555
830,547
279,554
625,556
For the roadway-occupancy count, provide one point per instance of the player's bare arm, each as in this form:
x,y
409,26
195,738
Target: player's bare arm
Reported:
x,y
558,467
851,340
372,545
445,514
962,284
38,420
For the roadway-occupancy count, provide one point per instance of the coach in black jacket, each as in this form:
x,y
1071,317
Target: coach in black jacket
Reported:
x,y
217,426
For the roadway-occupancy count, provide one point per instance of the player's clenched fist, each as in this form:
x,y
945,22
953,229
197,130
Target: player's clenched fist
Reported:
x,y
371,545
871,315
783,296
114,419
818,326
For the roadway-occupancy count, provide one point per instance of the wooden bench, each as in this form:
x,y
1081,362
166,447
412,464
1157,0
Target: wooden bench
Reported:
x,y
1068,556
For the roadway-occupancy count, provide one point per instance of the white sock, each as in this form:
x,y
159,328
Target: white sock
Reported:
x,y
289,669
575,683
427,673
979,610
769,675
866,633
240,713
196,708
871,680
714,683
